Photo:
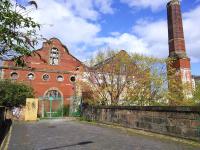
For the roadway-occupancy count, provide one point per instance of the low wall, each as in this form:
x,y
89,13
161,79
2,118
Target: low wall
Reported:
x,y
181,122
5,124
2,114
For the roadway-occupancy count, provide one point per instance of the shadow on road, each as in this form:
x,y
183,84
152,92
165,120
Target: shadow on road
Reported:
x,y
80,143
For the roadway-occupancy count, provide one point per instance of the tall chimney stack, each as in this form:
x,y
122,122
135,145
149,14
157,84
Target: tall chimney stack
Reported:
x,y
177,51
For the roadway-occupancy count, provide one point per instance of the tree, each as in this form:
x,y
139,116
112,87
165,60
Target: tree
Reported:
x,y
180,91
17,30
119,78
14,94
196,97
108,76
150,82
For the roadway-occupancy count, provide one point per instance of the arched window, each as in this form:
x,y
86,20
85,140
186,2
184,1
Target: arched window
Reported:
x,y
60,78
53,94
14,75
31,76
45,77
72,78
54,56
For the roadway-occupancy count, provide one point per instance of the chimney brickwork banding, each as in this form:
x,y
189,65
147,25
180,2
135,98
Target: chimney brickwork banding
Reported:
x,y
177,51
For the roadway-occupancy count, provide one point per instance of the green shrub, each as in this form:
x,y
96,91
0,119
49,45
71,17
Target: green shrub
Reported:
x,y
62,111
66,110
14,94
196,94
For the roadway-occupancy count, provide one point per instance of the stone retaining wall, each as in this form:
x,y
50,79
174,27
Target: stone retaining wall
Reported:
x,y
181,122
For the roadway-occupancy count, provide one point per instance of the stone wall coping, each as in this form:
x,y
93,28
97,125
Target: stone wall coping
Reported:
x,y
154,108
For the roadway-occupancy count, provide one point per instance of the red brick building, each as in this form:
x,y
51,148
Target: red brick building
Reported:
x,y
51,71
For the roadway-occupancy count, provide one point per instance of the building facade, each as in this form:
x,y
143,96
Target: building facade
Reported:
x,y
51,71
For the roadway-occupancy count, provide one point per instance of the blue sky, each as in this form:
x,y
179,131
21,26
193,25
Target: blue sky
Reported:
x,y
87,26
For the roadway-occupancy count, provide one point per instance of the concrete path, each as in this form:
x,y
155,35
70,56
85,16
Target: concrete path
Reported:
x,y
73,135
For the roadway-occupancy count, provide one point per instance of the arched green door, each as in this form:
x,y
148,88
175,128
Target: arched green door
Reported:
x,y
52,104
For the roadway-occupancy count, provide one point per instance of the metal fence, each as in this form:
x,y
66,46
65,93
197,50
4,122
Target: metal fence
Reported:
x,y
75,106
50,107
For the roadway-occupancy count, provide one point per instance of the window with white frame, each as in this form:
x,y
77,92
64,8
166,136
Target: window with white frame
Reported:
x,y
60,78
14,75
72,78
54,56
31,76
45,77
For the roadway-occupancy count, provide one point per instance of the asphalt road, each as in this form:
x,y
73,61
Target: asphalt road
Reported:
x,y
74,135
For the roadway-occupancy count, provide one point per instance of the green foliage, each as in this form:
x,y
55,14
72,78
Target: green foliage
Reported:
x,y
76,113
127,79
83,118
150,86
17,30
66,110
196,97
134,79
14,94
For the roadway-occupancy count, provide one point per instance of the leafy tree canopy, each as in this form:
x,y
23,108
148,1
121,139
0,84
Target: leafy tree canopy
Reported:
x,y
14,94
17,30
120,78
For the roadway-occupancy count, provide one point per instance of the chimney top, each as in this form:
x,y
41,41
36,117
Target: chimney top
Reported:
x,y
173,2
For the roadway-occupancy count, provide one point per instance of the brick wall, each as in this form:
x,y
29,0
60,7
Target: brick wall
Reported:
x,y
38,64
175,27
181,122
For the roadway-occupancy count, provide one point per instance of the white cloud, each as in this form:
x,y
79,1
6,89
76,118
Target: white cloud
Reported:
x,y
125,41
192,33
105,6
90,9
72,21
59,21
151,37
83,8
80,34
154,34
152,4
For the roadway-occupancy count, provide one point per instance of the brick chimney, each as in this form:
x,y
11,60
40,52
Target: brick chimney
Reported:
x,y
177,50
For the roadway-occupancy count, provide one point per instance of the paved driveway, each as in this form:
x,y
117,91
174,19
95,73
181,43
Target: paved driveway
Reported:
x,y
73,135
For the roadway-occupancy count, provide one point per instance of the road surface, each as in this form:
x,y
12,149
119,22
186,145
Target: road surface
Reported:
x,y
74,135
